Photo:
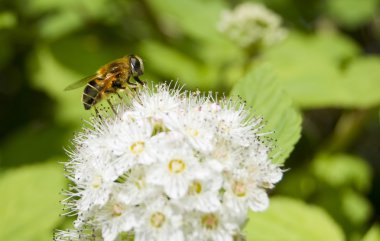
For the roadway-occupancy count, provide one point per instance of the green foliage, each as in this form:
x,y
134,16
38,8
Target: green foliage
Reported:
x,y
53,77
342,170
30,205
373,234
351,13
200,25
176,65
261,92
355,207
7,20
289,219
88,7
362,79
338,183
324,70
202,54
329,67
37,140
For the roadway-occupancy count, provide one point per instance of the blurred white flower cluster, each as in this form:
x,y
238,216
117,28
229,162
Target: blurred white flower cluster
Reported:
x,y
170,166
252,25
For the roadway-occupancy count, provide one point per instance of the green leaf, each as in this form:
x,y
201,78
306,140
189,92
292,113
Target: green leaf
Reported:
x,y
193,55
30,205
289,220
356,207
177,16
351,13
60,24
350,209
52,76
298,183
307,68
261,92
81,7
8,20
174,65
324,71
361,83
341,170
33,144
373,234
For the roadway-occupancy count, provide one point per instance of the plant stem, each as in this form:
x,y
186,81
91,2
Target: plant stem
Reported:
x,y
347,129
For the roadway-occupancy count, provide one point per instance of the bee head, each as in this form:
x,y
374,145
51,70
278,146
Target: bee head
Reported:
x,y
137,65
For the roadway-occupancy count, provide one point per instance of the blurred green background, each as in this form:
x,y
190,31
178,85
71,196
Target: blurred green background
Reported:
x,y
329,66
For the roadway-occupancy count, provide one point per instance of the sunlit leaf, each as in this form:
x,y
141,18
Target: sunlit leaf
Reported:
x,y
181,16
361,82
174,65
307,68
261,92
324,71
343,181
85,7
213,56
289,220
51,76
351,13
86,53
373,234
298,183
63,17
340,170
8,20
30,205
356,207
60,24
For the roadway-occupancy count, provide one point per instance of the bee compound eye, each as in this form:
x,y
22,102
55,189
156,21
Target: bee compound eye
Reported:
x,y
136,66
135,63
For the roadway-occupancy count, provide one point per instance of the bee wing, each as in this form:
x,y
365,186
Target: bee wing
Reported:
x,y
80,83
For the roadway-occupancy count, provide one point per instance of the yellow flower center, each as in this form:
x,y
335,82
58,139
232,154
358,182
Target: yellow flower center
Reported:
x,y
140,182
210,221
117,210
177,166
157,219
192,132
137,147
223,127
239,188
221,152
195,188
97,182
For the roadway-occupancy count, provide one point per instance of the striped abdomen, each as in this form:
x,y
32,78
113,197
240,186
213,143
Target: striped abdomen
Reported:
x,y
91,94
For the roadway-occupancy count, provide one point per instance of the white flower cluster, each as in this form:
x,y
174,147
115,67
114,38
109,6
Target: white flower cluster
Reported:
x,y
252,25
170,166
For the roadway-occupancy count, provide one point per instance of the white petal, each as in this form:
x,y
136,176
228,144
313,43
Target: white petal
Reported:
x,y
259,201
176,187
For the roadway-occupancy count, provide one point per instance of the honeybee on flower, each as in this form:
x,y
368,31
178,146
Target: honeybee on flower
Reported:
x,y
168,166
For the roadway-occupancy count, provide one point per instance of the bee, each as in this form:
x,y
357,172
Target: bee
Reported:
x,y
109,79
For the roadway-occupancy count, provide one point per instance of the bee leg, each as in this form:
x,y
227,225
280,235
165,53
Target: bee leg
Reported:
x,y
110,91
111,105
117,85
97,112
86,105
135,95
121,98
131,85
138,80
